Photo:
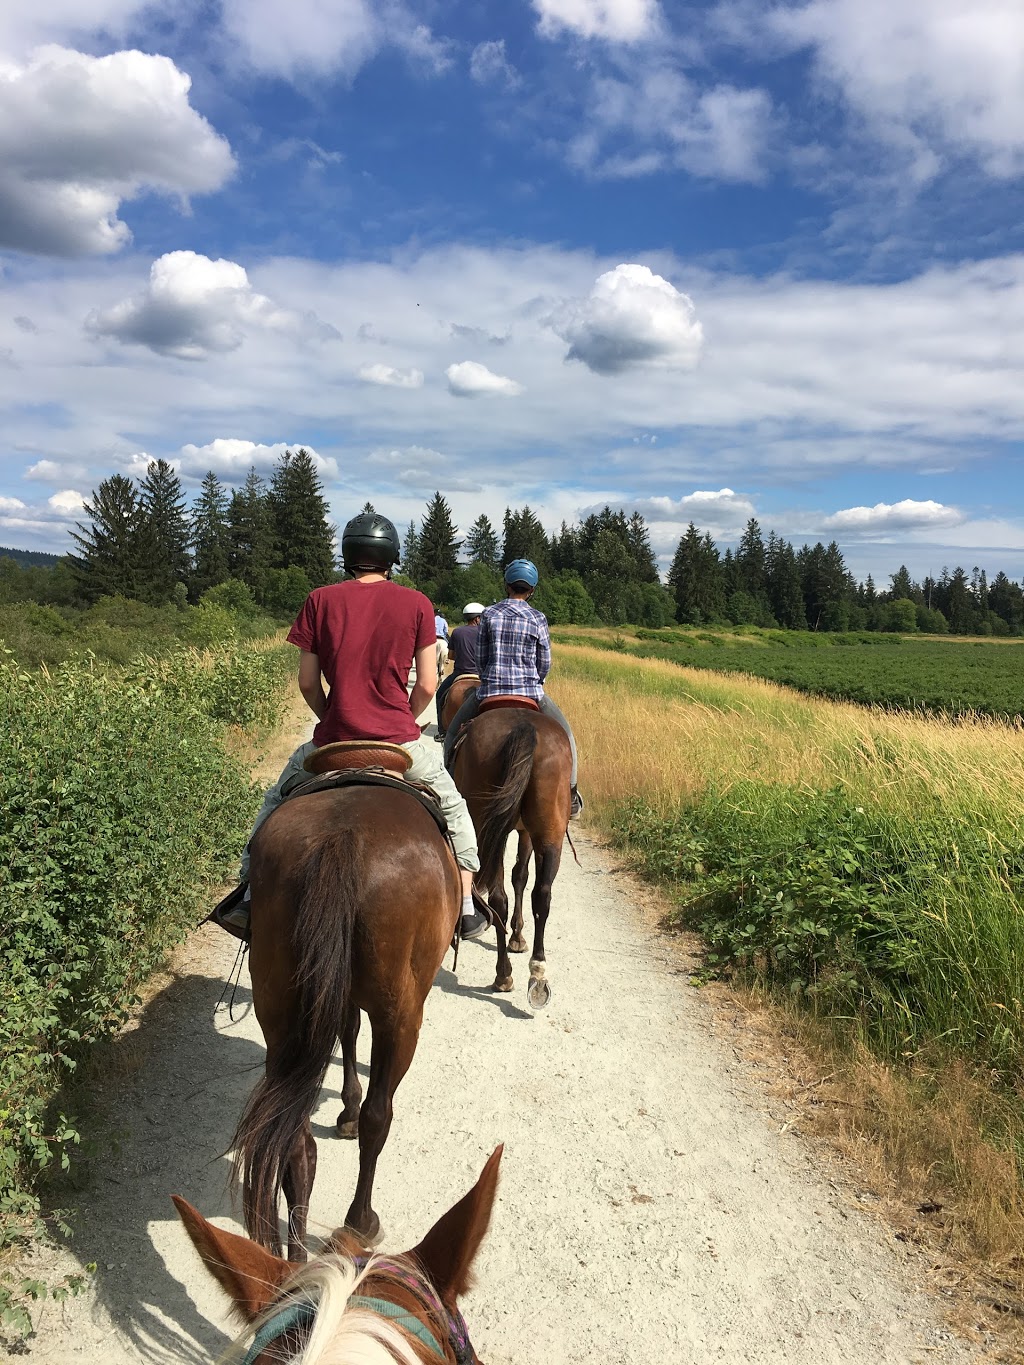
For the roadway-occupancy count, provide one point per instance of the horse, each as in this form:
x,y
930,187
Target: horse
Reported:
x,y
512,765
355,897
348,1304
455,696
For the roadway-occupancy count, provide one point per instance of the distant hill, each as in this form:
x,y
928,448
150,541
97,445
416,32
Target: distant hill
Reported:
x,y
30,558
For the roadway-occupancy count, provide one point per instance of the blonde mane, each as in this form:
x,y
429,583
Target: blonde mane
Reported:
x,y
341,1335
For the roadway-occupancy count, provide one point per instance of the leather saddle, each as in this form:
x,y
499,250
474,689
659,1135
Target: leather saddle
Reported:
x,y
499,703
364,763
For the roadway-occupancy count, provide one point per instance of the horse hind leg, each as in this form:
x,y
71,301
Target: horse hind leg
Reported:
x,y
391,1055
520,876
548,859
498,901
351,1090
298,1186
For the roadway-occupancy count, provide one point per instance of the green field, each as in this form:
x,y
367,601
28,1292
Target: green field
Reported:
x,y
953,677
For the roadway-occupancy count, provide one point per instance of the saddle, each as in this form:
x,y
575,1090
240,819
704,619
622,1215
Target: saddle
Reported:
x,y
498,703
364,763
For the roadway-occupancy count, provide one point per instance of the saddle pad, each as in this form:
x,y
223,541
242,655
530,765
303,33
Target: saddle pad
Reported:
x,y
301,785
497,703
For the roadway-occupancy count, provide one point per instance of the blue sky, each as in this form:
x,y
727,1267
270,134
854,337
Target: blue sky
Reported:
x,y
711,261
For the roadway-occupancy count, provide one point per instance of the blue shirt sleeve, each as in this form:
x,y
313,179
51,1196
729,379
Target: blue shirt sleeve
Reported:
x,y
484,651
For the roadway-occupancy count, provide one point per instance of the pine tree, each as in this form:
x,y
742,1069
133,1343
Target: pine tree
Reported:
x,y
165,533
785,594
565,550
211,536
368,509
903,586
644,561
750,562
251,530
110,546
695,579
481,544
437,550
411,553
525,538
303,536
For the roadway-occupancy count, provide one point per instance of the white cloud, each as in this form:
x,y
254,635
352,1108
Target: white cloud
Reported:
x,y
66,502
50,471
25,24
620,21
11,505
897,517
470,379
656,118
705,507
80,134
941,74
390,377
489,65
631,317
194,307
231,459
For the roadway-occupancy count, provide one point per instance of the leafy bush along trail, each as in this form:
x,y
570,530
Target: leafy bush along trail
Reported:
x,y
867,864
122,802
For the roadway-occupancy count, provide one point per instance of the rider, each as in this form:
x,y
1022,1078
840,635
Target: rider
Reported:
x,y
463,650
361,635
513,654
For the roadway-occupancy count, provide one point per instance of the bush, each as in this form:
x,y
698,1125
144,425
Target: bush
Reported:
x,y
234,596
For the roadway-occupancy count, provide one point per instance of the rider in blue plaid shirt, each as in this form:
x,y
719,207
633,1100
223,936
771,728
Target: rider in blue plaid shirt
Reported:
x,y
513,656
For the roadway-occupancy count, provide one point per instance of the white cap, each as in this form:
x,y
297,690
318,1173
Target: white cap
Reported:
x,y
473,609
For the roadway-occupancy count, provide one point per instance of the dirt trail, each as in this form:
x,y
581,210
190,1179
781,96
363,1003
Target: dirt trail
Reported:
x,y
650,1210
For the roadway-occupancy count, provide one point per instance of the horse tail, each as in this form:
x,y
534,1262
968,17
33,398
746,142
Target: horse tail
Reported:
x,y
515,760
273,1120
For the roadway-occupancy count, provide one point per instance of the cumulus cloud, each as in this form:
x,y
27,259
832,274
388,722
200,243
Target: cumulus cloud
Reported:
x,y
81,134
489,65
703,506
11,505
420,469
470,379
942,74
896,517
46,471
389,376
619,21
194,307
630,318
231,459
66,502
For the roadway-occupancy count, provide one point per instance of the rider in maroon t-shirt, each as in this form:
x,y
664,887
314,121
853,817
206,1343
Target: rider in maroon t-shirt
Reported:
x,y
361,637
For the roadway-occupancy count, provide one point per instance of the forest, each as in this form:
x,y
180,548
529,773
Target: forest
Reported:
x,y
260,548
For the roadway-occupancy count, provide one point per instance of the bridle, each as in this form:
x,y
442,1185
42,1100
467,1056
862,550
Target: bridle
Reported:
x,y
299,1316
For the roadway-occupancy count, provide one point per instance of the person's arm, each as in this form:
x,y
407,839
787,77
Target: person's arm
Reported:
x,y
483,649
426,679
311,684
543,651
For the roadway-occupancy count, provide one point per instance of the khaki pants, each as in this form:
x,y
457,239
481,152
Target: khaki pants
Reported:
x,y
427,766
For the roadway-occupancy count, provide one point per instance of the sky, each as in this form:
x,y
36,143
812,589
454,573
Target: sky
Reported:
x,y
714,261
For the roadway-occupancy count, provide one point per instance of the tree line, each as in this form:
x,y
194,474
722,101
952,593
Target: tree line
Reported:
x,y
273,541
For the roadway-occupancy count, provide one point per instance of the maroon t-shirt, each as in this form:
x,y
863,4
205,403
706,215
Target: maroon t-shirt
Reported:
x,y
365,636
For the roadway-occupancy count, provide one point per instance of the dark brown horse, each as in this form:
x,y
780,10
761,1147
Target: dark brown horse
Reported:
x,y
347,1304
355,895
513,768
454,698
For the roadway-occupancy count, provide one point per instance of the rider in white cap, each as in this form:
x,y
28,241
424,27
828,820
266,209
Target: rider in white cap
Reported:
x,y
462,646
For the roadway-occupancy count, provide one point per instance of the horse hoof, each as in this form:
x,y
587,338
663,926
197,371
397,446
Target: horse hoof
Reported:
x,y
538,993
347,1128
503,985
371,1234
517,944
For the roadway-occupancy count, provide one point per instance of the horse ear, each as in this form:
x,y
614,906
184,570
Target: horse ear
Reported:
x,y
249,1275
449,1248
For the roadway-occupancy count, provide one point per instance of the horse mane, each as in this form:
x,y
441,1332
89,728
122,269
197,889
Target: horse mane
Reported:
x,y
340,1335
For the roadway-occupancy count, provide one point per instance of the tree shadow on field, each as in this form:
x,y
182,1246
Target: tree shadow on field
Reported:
x,y
164,1106
448,982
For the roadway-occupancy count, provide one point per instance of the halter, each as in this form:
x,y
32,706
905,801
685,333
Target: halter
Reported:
x,y
301,1315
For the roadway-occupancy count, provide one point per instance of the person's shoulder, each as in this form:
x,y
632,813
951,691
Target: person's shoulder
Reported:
x,y
538,615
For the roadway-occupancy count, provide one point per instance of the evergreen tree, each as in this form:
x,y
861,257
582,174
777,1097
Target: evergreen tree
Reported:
x,y
110,546
525,538
210,536
565,550
437,549
411,553
645,564
962,613
303,536
750,563
165,533
481,544
784,590
901,585
251,532
368,509
610,578
1007,600
695,579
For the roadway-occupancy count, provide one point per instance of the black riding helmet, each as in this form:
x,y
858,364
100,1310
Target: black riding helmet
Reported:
x,y
370,541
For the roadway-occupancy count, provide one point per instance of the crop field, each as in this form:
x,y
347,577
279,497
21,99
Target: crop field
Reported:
x,y
952,677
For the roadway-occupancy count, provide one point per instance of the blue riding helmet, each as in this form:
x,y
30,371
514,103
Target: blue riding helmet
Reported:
x,y
522,571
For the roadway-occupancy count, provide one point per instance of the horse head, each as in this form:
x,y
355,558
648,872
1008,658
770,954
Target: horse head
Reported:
x,y
404,1306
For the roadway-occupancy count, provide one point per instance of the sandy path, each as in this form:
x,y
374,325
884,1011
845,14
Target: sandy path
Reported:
x,y
650,1209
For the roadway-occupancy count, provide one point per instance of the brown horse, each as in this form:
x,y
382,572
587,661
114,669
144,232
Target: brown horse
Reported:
x,y
454,698
513,767
348,1304
355,895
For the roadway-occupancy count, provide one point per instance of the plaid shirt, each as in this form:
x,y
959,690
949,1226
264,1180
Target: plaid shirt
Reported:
x,y
513,651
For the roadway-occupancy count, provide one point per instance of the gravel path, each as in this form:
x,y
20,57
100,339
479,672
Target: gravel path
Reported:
x,y
649,1208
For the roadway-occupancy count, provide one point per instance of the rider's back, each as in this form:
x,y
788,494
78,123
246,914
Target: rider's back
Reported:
x,y
365,635
513,650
